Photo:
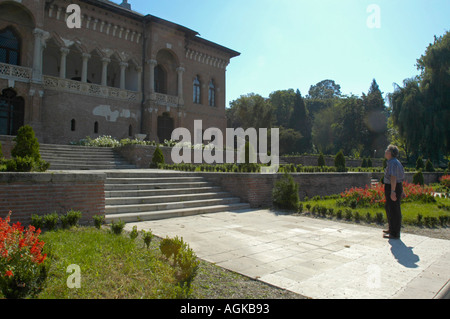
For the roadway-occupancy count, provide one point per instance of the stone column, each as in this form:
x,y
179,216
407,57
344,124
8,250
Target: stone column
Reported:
x,y
105,62
62,67
180,71
39,45
123,66
152,64
84,69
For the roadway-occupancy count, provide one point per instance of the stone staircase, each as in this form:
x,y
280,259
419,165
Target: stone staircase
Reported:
x,y
140,196
71,157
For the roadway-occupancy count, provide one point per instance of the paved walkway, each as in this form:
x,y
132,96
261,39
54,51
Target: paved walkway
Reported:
x,y
314,257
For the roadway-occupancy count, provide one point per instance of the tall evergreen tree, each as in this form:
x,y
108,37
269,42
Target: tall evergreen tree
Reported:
x,y
300,122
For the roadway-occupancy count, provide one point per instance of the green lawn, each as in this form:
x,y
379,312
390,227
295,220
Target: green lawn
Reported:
x,y
410,210
112,266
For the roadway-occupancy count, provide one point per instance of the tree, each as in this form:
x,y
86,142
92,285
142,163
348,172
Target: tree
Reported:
x,y
251,110
435,86
289,139
300,122
282,102
375,119
326,89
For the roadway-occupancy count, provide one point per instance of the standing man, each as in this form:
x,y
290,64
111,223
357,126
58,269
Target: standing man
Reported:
x,y
393,190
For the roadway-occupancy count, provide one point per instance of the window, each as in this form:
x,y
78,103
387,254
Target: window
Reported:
x,y
96,127
9,47
160,80
212,94
130,130
72,125
196,90
12,110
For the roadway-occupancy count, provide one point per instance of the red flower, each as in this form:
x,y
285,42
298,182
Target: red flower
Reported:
x,y
9,273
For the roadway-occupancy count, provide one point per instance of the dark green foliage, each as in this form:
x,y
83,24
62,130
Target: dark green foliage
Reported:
x,y
285,193
26,156
158,158
321,160
419,163
99,220
51,221
418,178
429,166
339,162
117,227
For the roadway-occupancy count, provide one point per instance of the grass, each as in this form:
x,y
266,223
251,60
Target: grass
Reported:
x,y
112,266
410,210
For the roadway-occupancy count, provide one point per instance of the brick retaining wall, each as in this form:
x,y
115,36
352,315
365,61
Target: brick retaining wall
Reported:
x,y
42,193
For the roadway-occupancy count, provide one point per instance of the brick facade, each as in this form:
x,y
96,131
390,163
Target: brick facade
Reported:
x,y
118,75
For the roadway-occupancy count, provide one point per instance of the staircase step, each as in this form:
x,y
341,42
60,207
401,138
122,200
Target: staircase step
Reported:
x,y
160,192
173,213
137,208
154,180
163,199
153,186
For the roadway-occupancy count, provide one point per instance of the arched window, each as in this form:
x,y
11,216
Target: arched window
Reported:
x,y
160,80
72,125
9,47
212,94
96,127
197,90
130,130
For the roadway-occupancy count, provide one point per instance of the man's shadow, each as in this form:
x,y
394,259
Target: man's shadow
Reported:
x,y
403,254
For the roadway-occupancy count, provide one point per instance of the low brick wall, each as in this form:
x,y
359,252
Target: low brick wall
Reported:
x,y
256,189
42,193
429,178
311,160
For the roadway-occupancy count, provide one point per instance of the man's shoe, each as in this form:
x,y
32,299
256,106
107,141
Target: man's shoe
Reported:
x,y
391,236
386,231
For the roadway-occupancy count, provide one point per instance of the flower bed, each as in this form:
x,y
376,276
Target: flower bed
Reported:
x,y
374,195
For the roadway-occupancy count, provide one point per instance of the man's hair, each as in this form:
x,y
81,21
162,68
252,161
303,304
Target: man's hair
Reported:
x,y
394,150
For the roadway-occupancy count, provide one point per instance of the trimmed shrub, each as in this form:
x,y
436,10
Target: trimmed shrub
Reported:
x,y
148,237
429,166
51,221
99,220
339,162
117,227
418,178
321,160
285,193
158,158
419,163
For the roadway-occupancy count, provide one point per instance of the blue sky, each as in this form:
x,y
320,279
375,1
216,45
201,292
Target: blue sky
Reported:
x,y
295,44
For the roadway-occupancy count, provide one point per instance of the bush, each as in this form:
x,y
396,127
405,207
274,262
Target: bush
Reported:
x,y
339,162
158,158
26,156
419,163
1,153
185,263
321,160
364,162
99,220
429,166
285,193
37,221
134,233
369,162
22,268
117,227
26,144
51,221
418,178
70,219
148,237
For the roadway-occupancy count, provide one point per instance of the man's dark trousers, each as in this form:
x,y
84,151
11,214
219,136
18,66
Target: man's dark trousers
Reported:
x,y
393,210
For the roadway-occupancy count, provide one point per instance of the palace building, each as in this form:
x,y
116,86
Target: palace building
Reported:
x,y
121,73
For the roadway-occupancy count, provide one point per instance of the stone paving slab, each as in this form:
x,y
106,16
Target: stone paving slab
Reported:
x,y
314,257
